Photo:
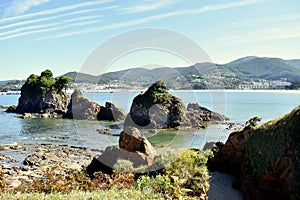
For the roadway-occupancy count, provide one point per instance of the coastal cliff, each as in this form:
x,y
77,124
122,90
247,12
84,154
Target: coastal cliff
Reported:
x,y
265,159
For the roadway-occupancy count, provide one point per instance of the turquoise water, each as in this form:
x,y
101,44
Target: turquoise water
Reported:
x,y
238,106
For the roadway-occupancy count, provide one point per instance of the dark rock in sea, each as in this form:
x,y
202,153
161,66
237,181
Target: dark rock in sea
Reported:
x,y
105,131
51,102
200,115
81,107
157,108
11,109
265,159
133,147
111,112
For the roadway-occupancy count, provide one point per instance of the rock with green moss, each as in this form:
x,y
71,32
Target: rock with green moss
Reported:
x,y
39,94
157,108
265,159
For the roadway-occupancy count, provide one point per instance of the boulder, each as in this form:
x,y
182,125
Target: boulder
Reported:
x,y
111,112
111,155
81,107
131,140
133,147
157,108
264,160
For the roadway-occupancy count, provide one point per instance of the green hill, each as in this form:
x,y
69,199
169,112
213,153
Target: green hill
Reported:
x,y
264,68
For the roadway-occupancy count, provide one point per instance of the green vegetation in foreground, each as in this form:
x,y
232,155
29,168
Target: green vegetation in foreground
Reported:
x,y
81,195
182,174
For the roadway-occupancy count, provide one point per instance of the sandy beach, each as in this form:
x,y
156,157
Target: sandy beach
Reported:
x,y
221,189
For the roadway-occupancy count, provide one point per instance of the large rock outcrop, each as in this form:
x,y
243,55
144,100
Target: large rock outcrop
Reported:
x,y
201,117
51,102
133,147
265,159
157,108
43,94
82,108
111,112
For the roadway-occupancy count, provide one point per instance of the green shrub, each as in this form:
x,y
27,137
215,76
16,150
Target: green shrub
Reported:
x,y
159,184
123,166
189,172
38,86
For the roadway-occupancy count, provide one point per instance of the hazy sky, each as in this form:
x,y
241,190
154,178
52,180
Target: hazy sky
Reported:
x,y
60,35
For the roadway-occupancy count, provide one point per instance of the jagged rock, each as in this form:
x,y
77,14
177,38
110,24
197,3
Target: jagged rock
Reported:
x,y
51,102
81,107
131,140
11,109
265,159
111,112
132,147
157,108
201,114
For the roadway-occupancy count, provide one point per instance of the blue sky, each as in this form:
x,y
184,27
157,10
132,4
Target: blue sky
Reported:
x,y
60,35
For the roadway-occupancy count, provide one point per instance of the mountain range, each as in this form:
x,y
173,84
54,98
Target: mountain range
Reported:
x,y
239,71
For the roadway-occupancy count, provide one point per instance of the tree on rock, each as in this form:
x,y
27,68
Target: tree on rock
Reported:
x,y
47,74
62,83
44,92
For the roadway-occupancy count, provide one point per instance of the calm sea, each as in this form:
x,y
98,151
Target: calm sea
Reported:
x,y
239,106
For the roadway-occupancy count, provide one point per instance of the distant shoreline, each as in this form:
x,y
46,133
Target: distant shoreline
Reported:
x,y
212,90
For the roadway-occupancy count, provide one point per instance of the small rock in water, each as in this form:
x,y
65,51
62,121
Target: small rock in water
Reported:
x,y
105,131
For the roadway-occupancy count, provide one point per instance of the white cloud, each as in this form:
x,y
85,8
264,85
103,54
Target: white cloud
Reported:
x,y
21,6
26,22
227,5
110,26
146,6
56,10
77,19
50,29
285,31
158,17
